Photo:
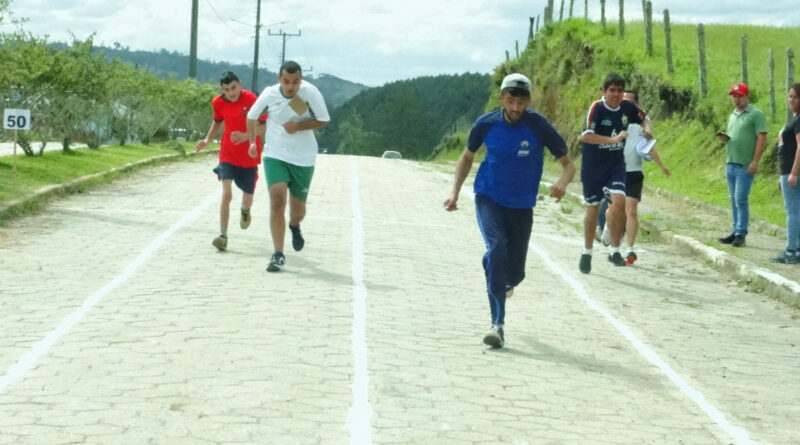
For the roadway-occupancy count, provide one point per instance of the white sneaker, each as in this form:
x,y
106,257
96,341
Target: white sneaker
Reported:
x,y
605,238
598,232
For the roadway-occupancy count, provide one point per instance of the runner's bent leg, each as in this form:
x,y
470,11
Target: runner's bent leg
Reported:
x,y
519,223
297,211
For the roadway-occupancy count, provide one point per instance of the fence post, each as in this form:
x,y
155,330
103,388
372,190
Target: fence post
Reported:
x,y
516,47
508,57
621,19
538,21
648,27
668,35
701,46
561,12
586,9
603,13
548,19
789,77
571,3
644,10
772,84
744,59
530,30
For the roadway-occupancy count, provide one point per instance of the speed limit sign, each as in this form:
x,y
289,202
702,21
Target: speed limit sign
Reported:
x,y
16,119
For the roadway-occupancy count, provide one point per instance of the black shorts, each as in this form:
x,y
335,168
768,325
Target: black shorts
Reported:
x,y
634,182
244,177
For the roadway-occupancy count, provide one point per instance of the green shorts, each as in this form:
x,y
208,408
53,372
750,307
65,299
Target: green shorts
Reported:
x,y
297,178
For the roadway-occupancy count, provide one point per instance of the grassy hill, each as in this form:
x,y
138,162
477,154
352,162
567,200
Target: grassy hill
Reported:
x,y
568,62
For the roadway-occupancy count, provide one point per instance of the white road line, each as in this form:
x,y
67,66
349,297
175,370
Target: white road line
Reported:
x,y
42,346
361,411
737,433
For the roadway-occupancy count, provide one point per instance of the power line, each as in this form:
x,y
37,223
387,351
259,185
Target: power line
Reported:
x,y
225,21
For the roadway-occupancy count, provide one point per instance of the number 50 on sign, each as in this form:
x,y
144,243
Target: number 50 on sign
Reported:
x,y
16,119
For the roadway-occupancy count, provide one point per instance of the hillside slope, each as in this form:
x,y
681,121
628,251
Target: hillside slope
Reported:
x,y
568,62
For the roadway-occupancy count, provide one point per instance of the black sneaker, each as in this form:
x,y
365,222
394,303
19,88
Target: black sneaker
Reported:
x,y
276,262
297,238
728,239
494,337
586,263
631,258
738,241
617,259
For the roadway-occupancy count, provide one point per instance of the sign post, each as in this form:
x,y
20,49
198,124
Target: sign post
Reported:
x,y
16,119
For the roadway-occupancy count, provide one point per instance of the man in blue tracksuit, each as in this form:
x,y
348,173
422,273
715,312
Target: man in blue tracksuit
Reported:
x,y
506,187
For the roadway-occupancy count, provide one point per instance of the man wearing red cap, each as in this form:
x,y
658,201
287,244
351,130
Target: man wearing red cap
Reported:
x,y
745,140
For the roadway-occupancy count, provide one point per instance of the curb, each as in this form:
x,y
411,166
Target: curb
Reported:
x,y
45,193
757,278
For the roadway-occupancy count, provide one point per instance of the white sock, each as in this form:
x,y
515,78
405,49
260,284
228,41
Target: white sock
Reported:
x,y
586,251
613,250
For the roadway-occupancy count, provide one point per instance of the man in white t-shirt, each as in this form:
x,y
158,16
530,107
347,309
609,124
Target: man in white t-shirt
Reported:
x,y
296,108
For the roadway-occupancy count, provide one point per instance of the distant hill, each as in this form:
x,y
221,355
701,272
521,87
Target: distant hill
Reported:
x,y
164,63
409,116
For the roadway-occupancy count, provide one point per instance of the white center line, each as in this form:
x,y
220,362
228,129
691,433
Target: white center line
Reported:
x,y
361,411
42,346
737,433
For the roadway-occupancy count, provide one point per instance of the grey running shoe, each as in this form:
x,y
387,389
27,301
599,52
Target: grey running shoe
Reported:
x,y
276,262
738,241
244,221
494,337
786,257
220,242
586,263
616,258
631,258
509,291
297,238
598,232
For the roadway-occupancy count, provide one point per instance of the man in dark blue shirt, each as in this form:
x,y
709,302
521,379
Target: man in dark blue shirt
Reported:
x,y
603,164
506,187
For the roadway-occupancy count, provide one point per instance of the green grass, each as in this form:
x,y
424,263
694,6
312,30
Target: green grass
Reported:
x,y
57,167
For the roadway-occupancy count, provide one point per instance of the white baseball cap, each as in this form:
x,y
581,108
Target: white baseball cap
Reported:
x,y
516,80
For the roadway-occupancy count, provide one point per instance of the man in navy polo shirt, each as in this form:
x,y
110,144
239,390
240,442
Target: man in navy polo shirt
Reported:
x,y
603,164
506,187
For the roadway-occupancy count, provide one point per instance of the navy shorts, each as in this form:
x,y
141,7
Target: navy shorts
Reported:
x,y
597,183
634,182
244,177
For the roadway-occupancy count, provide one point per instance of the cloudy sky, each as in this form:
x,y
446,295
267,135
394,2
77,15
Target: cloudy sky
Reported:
x,y
367,41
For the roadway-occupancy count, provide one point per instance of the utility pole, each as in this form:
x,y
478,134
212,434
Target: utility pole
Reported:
x,y
284,35
254,84
193,42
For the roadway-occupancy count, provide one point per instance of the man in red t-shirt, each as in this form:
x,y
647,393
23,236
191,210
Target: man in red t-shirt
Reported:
x,y
235,163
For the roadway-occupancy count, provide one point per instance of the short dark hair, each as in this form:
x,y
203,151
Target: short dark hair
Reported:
x,y
635,94
291,67
614,79
228,77
796,88
516,92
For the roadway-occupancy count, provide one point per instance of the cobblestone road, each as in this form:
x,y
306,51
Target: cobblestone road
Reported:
x,y
120,324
